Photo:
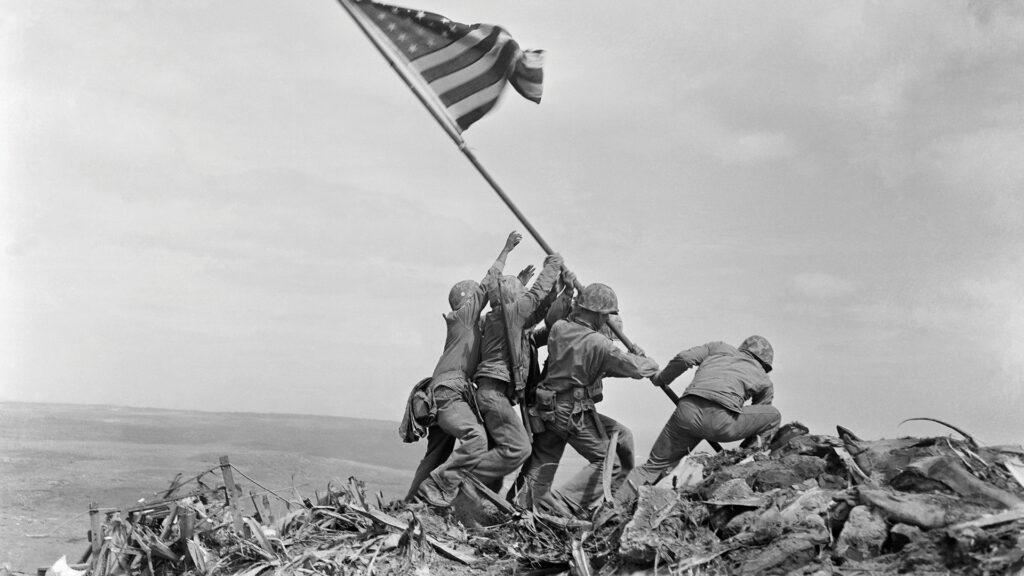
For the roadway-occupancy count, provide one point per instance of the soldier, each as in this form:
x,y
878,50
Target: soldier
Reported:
x,y
712,405
504,366
579,355
457,415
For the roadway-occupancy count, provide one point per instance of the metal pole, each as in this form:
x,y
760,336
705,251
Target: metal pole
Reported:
x,y
456,137
442,119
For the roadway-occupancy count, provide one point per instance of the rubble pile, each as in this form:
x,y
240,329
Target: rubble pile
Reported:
x,y
816,504
806,504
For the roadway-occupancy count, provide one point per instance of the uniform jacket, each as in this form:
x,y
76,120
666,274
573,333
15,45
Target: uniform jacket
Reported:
x,y
525,312
579,356
462,341
726,376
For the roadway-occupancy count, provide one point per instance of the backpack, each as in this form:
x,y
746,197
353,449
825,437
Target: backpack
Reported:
x,y
420,412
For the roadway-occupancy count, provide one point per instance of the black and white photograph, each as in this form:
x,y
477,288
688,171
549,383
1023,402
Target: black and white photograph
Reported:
x,y
469,287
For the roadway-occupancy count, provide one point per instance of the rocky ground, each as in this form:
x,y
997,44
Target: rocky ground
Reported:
x,y
806,504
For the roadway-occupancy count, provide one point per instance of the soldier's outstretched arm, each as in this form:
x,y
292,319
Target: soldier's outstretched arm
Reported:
x,y
626,364
496,270
541,289
681,363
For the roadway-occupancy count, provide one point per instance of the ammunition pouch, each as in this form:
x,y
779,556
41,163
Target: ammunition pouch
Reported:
x,y
545,403
536,420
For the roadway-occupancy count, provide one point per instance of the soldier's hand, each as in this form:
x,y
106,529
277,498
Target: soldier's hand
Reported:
x,y
656,378
526,273
568,278
615,321
638,350
555,260
514,238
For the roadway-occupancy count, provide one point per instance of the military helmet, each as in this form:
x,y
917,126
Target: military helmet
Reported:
x,y
600,298
460,292
510,288
759,347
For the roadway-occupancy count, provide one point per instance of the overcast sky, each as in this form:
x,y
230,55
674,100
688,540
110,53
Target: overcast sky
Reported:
x,y
238,206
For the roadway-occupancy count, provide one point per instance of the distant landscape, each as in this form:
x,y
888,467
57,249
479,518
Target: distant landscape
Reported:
x,y
55,459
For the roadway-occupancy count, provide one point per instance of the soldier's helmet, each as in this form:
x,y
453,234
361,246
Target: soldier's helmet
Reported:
x,y
461,292
509,290
600,298
760,348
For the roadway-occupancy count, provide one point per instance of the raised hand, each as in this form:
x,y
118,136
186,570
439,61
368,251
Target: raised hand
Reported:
x,y
568,278
526,273
514,238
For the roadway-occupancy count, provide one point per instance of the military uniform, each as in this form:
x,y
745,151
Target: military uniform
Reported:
x,y
712,405
578,357
457,415
505,346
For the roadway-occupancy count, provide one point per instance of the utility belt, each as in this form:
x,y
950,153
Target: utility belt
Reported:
x,y
449,385
548,400
582,400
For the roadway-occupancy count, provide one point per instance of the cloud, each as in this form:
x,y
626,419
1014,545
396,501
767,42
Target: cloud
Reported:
x,y
982,168
754,148
821,286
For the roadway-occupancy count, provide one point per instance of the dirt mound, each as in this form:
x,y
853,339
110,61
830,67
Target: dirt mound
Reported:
x,y
812,504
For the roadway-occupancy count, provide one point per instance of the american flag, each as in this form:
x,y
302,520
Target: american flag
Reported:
x,y
465,67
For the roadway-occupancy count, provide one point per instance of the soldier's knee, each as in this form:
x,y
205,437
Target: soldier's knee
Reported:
x,y
475,442
518,450
625,438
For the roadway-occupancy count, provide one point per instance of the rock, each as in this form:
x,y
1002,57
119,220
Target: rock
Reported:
x,y
740,523
686,476
863,534
815,501
902,534
665,525
832,482
921,510
764,475
734,492
781,556
948,471
792,470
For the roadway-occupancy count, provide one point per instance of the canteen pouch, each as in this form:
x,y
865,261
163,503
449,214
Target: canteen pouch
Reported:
x,y
545,405
536,420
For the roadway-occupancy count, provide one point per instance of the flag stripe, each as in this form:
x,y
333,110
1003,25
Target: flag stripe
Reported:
x,y
466,120
496,73
465,74
467,58
528,90
428,61
488,95
459,71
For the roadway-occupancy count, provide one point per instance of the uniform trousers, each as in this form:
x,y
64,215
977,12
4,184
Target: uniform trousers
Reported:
x,y
695,419
573,423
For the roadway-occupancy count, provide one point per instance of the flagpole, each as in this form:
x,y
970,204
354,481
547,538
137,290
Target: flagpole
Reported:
x,y
456,137
399,69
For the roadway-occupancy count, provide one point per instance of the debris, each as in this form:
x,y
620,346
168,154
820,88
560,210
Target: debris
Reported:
x,y
862,535
1015,466
665,526
686,476
61,568
951,473
813,504
946,424
900,535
